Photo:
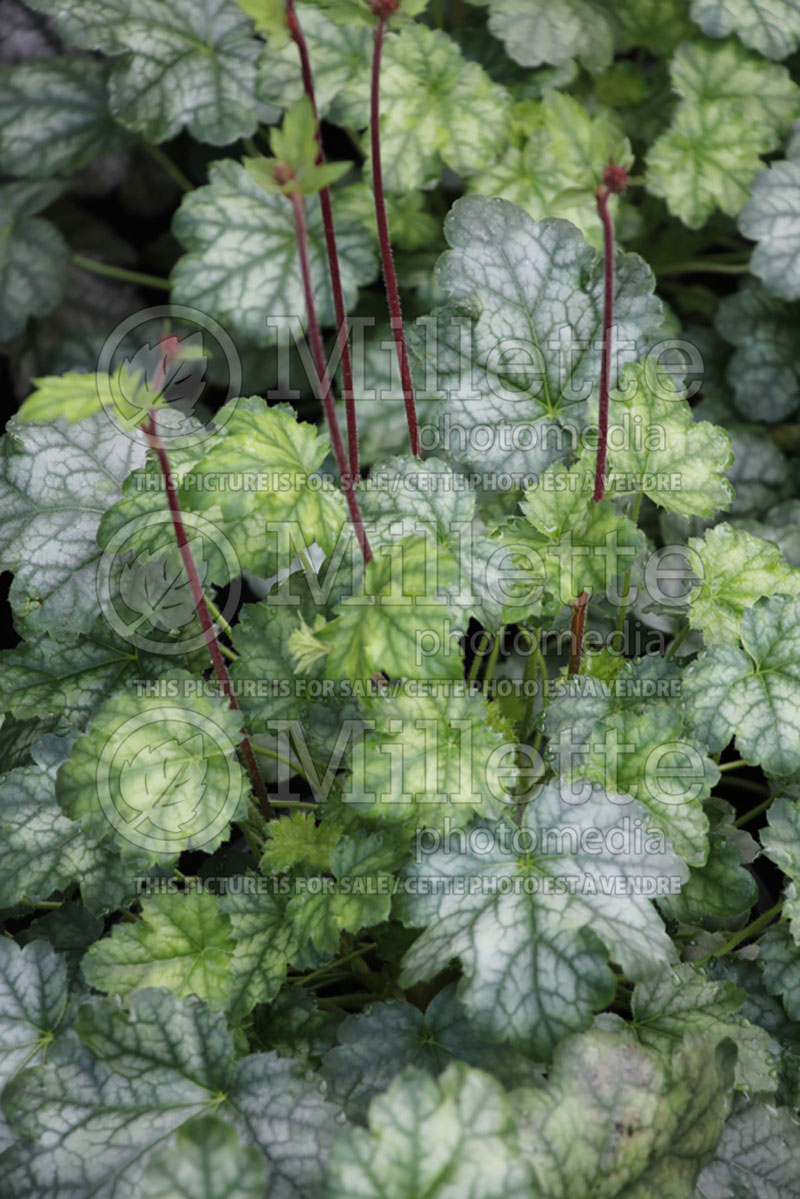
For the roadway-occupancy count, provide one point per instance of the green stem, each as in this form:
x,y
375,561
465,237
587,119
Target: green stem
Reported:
x,y
278,757
678,641
218,617
358,997
296,803
119,272
175,173
348,957
756,811
492,662
744,934
746,785
700,267
735,765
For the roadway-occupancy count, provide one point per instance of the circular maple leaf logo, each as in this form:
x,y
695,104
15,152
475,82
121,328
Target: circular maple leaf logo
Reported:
x,y
170,781
159,358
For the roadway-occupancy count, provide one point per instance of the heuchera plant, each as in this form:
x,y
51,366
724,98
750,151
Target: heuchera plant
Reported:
x,y
401,739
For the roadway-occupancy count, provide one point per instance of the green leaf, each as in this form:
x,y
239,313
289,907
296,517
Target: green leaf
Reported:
x,y
726,90
707,159
157,773
756,1157
42,676
405,496
437,109
411,227
125,396
33,256
139,526
269,17
683,1001
297,840
678,462
264,676
771,217
535,32
645,754
358,896
376,1044
658,25
149,1071
72,396
566,153
215,221
779,962
294,143
434,760
43,851
340,53
772,27
450,1137
735,571
260,474
565,902
722,887
781,843
296,1026
763,370
264,941
54,116
725,73
615,1120
759,1007
56,480
181,942
752,693
629,737
33,988
183,65
780,524
399,621
510,283
207,1161
582,545
91,24
69,929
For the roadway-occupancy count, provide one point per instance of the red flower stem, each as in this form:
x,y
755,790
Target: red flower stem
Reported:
x,y
326,207
387,259
579,605
603,196
323,379
578,624
220,669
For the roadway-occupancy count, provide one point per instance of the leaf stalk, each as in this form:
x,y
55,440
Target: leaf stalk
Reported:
x,y
387,258
326,207
150,431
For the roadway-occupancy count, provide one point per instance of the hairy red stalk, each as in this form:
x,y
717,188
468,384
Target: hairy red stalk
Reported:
x,y
323,379
603,196
615,179
578,624
382,10
326,207
220,669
